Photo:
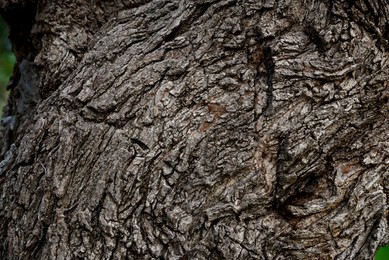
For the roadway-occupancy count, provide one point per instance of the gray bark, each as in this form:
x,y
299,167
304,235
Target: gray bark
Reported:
x,y
196,130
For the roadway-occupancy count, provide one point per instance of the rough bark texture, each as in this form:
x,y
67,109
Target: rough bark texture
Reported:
x,y
196,130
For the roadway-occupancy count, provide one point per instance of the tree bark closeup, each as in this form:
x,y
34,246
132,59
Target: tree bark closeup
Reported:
x,y
196,129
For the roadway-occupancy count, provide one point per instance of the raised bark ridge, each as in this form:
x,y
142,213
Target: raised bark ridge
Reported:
x,y
201,129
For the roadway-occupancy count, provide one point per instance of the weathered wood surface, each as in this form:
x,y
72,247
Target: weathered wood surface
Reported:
x,y
196,130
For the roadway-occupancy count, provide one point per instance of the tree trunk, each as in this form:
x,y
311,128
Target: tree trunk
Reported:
x,y
196,130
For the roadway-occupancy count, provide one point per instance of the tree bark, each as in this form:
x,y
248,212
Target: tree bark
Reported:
x,y
196,130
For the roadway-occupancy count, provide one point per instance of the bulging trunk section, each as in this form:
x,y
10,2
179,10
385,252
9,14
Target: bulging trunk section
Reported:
x,y
197,130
